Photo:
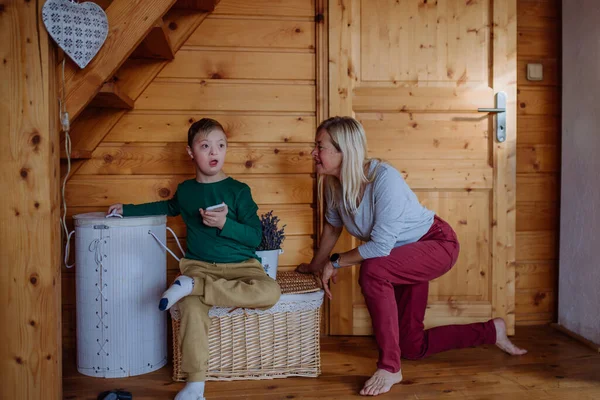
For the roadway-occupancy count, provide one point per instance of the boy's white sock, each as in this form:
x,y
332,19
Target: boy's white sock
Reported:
x,y
182,286
191,391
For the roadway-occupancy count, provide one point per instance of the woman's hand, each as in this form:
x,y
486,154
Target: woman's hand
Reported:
x,y
328,273
116,208
215,218
307,268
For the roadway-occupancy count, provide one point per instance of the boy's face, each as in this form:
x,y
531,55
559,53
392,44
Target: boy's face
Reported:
x,y
208,152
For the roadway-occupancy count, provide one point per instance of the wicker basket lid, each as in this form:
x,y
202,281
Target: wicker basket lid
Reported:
x,y
295,282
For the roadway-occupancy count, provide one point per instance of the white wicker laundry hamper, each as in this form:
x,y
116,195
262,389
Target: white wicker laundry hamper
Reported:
x,y
120,276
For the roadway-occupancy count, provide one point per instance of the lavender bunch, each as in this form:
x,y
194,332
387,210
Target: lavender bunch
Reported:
x,y
272,236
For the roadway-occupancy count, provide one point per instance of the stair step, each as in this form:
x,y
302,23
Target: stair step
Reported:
x,y
77,155
156,45
111,97
198,5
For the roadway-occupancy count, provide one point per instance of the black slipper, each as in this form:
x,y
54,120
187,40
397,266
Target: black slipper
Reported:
x,y
109,395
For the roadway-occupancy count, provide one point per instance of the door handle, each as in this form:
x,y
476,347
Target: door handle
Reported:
x,y
500,112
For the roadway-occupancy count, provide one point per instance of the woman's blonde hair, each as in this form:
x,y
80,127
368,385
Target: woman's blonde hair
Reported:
x,y
348,137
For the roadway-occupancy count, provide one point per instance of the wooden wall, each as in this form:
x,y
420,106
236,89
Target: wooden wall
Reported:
x,y
538,155
251,66
30,342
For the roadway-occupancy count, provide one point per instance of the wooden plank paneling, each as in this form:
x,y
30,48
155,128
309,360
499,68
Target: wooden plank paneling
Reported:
x,y
196,5
406,136
341,82
535,301
545,19
538,42
68,289
181,24
529,9
269,160
540,275
534,319
538,129
322,84
111,96
296,250
30,342
537,158
372,99
212,95
103,190
272,34
91,121
425,42
538,101
503,220
252,68
537,187
539,245
297,219
245,128
129,22
69,333
134,76
172,158
444,174
205,64
537,216
288,8
156,44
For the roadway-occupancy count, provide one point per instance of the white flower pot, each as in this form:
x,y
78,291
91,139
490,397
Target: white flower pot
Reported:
x,y
270,259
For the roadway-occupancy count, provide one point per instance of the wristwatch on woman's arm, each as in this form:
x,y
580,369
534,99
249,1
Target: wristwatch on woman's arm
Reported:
x,y
335,260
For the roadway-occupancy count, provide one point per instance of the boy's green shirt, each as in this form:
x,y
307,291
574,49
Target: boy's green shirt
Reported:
x,y
241,234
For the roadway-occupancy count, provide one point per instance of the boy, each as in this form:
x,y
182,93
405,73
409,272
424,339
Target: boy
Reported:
x,y
220,266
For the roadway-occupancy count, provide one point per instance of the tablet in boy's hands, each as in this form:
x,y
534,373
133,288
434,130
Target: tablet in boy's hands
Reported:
x,y
216,207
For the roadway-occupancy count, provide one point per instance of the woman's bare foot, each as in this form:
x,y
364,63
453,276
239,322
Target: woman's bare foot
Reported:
x,y
502,340
381,382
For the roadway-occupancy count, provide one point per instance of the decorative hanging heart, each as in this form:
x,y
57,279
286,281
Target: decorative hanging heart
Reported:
x,y
79,29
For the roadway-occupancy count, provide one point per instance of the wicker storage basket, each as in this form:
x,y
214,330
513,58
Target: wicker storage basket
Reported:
x,y
249,344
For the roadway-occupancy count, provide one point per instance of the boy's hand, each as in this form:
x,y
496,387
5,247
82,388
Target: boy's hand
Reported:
x,y
215,219
116,208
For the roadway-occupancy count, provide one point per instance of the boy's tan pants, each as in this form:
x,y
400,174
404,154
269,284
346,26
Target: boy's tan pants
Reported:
x,y
243,284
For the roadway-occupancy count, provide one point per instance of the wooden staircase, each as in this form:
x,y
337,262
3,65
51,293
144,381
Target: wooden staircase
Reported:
x,y
143,37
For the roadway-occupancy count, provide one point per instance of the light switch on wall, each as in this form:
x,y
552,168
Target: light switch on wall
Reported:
x,y
535,72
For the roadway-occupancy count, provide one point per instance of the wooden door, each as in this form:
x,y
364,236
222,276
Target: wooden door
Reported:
x,y
415,73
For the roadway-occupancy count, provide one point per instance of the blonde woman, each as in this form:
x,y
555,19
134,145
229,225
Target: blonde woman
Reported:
x,y
406,246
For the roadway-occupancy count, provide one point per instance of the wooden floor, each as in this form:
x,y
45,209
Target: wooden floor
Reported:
x,y
557,367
